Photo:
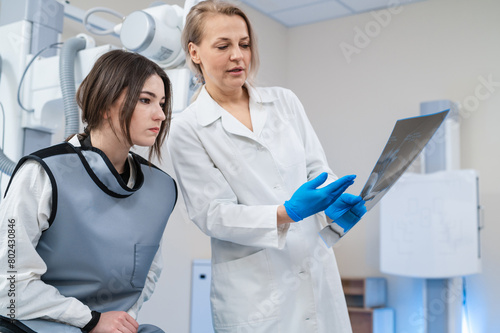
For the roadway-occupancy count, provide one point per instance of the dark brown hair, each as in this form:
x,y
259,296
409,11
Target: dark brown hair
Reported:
x,y
114,72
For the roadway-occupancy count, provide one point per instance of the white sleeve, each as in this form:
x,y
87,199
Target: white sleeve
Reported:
x,y
149,287
210,201
24,213
316,161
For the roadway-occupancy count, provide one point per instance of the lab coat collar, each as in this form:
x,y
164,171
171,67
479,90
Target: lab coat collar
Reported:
x,y
211,111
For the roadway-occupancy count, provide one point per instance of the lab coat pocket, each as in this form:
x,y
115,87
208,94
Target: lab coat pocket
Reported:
x,y
143,258
242,293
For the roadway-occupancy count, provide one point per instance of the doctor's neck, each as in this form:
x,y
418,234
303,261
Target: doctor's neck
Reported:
x,y
228,97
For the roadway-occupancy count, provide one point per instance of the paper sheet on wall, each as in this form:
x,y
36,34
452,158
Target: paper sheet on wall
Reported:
x,y
430,225
407,140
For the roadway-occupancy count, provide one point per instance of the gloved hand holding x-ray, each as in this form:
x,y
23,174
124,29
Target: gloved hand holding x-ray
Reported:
x,y
407,140
347,210
308,199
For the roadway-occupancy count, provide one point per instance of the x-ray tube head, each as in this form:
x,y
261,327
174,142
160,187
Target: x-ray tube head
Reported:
x,y
155,33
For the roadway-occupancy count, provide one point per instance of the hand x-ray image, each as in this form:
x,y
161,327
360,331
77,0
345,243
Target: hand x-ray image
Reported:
x,y
407,140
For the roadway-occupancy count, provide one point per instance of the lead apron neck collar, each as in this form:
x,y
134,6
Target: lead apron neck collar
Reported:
x,y
104,174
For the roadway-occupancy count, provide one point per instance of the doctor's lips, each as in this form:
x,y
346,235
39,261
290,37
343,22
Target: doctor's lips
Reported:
x,y
155,129
236,70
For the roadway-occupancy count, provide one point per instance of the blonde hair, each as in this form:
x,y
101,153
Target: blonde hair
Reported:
x,y
195,24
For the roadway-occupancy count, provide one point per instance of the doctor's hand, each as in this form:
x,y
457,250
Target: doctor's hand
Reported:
x,y
347,210
309,200
116,321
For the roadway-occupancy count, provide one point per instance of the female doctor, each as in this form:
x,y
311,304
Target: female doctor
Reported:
x,y
87,216
250,166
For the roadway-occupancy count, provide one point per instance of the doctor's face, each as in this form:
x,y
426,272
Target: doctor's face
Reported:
x,y
224,53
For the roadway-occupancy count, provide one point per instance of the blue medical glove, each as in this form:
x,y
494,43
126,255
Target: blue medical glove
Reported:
x,y
309,200
347,210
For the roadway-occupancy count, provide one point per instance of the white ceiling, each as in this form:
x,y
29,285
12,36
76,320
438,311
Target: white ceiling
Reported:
x,y
293,13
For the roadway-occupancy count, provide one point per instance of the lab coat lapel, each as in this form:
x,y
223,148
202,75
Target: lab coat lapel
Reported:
x,y
211,111
258,114
260,103
208,110
234,126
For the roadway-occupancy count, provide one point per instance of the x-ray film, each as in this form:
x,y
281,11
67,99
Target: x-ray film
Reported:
x,y
407,140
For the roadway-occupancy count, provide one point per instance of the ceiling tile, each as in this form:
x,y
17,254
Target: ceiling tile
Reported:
x,y
367,5
298,12
311,13
272,6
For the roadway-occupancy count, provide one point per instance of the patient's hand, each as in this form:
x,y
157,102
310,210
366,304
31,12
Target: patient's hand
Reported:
x,y
116,321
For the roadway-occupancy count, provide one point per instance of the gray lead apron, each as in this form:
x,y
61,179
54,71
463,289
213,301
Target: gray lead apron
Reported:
x,y
103,236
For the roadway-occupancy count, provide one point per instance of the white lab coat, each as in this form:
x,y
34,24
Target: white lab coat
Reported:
x,y
264,278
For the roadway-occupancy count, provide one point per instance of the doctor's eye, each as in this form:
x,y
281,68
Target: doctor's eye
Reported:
x,y
145,100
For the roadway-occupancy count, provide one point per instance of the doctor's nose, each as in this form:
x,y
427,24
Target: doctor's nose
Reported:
x,y
236,54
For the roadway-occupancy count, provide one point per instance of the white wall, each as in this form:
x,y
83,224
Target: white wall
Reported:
x,y
435,49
